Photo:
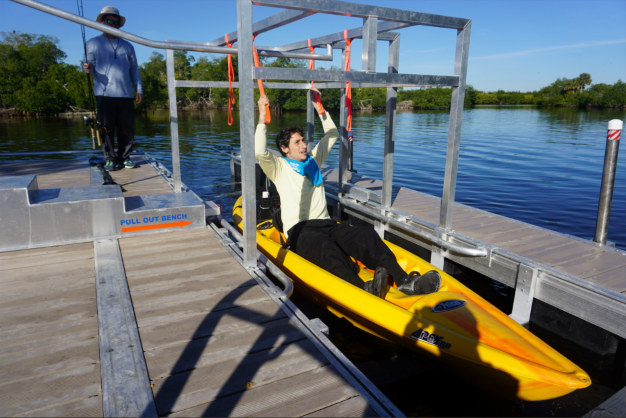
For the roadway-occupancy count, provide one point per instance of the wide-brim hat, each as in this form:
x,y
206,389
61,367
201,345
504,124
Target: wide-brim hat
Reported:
x,y
110,10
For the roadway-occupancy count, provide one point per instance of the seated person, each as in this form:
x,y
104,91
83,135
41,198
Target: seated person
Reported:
x,y
310,231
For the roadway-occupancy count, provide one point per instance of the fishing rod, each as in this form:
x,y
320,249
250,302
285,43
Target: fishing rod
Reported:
x,y
88,120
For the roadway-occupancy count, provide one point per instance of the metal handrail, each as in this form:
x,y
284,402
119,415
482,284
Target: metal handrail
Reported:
x,y
282,277
472,252
173,45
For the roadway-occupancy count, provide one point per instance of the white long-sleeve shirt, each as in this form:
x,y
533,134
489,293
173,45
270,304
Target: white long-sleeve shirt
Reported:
x,y
300,200
113,77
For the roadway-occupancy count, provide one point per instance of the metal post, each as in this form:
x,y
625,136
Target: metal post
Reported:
x,y
171,91
454,130
343,134
608,180
350,153
310,119
368,54
390,123
246,124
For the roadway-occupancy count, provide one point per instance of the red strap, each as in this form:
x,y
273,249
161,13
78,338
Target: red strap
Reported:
x,y
348,85
231,78
320,108
257,63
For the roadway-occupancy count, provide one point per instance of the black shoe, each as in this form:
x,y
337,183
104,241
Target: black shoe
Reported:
x,y
421,285
378,286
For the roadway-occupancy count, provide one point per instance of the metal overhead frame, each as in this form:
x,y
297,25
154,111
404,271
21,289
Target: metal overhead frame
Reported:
x,y
376,22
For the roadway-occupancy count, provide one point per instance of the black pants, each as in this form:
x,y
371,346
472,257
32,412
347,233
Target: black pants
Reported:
x,y
116,114
330,245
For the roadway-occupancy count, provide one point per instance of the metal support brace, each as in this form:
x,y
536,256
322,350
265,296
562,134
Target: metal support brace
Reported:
x,y
454,130
310,120
171,91
390,123
524,294
246,104
125,383
343,134
368,54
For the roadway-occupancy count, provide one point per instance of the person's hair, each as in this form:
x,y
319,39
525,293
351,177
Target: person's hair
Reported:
x,y
284,136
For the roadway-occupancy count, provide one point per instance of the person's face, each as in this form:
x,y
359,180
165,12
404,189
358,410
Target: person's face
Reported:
x,y
297,148
111,18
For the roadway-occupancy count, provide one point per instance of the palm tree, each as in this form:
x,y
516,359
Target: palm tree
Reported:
x,y
571,85
585,80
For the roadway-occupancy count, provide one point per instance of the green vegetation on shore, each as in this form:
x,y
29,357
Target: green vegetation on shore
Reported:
x,y
33,79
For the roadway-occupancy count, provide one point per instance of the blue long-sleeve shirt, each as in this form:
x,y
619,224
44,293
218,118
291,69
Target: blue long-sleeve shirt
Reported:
x,y
113,77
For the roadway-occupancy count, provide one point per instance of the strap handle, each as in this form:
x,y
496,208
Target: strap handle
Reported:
x,y
257,63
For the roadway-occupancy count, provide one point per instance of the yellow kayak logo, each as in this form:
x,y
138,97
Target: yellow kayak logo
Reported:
x,y
429,338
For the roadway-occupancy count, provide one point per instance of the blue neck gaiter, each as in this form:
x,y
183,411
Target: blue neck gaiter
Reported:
x,y
308,167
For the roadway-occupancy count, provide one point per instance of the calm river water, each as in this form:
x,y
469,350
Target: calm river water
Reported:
x,y
540,166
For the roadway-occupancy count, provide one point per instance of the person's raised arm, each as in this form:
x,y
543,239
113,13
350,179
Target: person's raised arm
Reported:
x,y
323,148
269,163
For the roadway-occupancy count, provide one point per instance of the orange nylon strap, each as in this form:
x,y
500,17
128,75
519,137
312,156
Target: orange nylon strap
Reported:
x,y
348,85
257,63
231,78
320,108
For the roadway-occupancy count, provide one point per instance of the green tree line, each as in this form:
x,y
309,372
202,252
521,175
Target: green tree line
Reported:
x,y
34,78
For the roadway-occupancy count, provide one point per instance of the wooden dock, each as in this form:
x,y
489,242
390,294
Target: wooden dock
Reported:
x,y
161,324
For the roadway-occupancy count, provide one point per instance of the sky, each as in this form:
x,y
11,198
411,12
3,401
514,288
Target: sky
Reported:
x,y
515,45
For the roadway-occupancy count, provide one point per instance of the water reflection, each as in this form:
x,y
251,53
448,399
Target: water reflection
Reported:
x,y
540,166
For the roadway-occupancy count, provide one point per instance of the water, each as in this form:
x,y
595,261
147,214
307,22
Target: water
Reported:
x,y
540,166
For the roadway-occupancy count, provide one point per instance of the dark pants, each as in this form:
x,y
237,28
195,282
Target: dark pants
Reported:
x,y
330,245
116,114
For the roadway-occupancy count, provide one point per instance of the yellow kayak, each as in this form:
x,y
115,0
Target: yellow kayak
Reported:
x,y
479,342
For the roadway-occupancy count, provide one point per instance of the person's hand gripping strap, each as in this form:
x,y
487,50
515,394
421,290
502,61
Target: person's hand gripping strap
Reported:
x,y
320,108
257,63
231,78
348,84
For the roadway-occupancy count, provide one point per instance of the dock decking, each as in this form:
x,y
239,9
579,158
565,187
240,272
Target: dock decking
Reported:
x,y
167,324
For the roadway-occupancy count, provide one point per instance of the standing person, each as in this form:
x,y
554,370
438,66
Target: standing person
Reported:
x,y
115,73
305,221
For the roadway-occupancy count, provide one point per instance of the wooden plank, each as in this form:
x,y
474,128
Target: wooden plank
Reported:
x,y
524,234
216,269
48,335
162,239
52,174
594,264
293,396
199,305
202,352
495,228
354,407
45,260
53,280
477,223
46,315
205,384
213,323
23,396
36,252
565,253
20,301
613,279
88,407
172,260
537,244
45,360
222,280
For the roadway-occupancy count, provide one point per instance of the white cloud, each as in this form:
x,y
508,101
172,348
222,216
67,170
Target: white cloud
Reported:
x,y
551,48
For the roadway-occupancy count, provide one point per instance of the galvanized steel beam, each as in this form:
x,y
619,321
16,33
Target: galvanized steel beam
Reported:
x,y
125,382
275,21
390,124
368,51
171,91
399,80
343,8
454,129
246,127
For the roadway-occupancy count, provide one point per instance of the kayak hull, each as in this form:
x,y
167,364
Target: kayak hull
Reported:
x,y
478,342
